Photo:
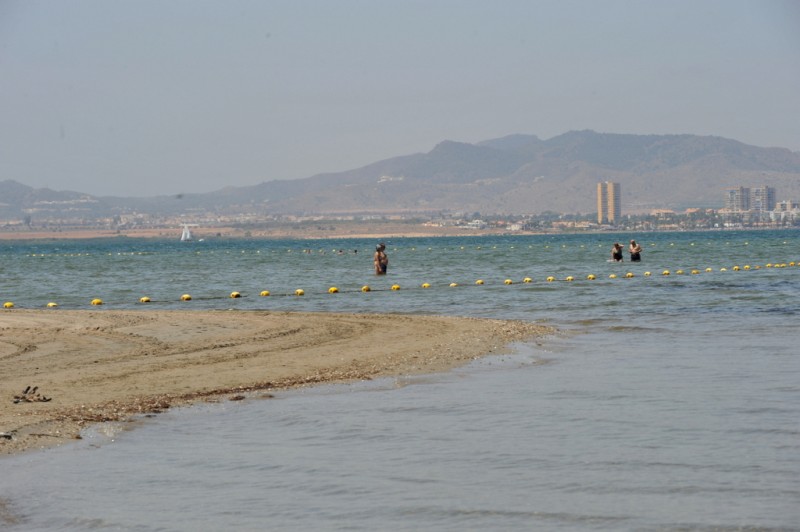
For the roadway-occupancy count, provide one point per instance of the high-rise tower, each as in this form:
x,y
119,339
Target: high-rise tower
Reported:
x,y
609,203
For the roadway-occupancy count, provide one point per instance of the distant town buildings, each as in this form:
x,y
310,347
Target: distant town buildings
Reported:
x,y
741,199
762,199
737,199
758,206
786,206
609,203
755,204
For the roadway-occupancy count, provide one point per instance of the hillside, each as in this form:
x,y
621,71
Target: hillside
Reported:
x,y
517,174
523,174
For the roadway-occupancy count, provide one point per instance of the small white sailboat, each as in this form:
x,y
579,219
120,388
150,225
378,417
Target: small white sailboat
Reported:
x,y
186,236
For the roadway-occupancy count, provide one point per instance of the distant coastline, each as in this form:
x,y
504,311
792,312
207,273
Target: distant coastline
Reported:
x,y
349,230
337,231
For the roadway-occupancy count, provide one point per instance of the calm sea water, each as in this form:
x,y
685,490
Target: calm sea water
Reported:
x,y
668,403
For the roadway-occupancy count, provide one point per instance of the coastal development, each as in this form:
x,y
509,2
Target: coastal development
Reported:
x,y
577,181
741,207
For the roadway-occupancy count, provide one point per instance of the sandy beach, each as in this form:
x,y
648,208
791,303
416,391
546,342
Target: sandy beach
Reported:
x,y
81,367
334,229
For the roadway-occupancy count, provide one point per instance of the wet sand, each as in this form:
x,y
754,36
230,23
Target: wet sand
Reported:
x,y
95,366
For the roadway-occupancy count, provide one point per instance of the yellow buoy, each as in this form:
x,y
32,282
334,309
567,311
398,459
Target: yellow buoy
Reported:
x,y
365,288
333,290
453,285
550,279
591,277
299,292
395,287
479,281
8,304
508,281
144,299
186,297
426,285
235,295
527,280
264,293
52,304
97,301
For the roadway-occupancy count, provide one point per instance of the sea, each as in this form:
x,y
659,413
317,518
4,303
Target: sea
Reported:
x,y
667,400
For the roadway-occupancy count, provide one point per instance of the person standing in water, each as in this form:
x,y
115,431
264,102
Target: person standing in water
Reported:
x,y
616,252
381,259
636,251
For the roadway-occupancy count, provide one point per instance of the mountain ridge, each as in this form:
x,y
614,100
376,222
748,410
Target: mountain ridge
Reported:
x,y
515,174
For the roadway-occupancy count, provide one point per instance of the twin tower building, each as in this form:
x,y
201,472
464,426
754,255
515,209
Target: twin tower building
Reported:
x,y
609,203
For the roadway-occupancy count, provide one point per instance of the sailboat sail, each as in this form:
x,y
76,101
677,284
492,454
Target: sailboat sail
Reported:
x,y
187,234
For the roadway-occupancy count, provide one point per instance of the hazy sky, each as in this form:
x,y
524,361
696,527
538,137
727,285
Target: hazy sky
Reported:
x,y
141,98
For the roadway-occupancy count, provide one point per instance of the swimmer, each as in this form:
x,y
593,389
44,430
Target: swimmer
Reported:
x,y
636,251
616,252
381,259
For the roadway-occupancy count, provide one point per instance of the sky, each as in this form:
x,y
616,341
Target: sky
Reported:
x,y
163,97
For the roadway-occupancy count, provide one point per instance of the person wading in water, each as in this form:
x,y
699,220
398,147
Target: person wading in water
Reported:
x,y
636,251
381,259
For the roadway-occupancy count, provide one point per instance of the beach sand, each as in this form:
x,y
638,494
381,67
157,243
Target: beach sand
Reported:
x,y
332,229
96,366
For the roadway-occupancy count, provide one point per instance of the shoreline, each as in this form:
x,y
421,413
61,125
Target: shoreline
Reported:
x,y
95,366
343,231
378,232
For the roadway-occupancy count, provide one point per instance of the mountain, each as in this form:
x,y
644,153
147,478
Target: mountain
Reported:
x,y
516,174
524,174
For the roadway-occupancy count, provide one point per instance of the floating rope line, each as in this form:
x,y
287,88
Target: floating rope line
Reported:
x,y
526,281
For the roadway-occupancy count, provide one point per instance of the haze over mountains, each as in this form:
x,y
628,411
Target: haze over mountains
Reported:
x,y
518,174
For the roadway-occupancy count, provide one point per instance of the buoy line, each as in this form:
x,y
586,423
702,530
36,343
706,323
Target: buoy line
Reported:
x,y
482,282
